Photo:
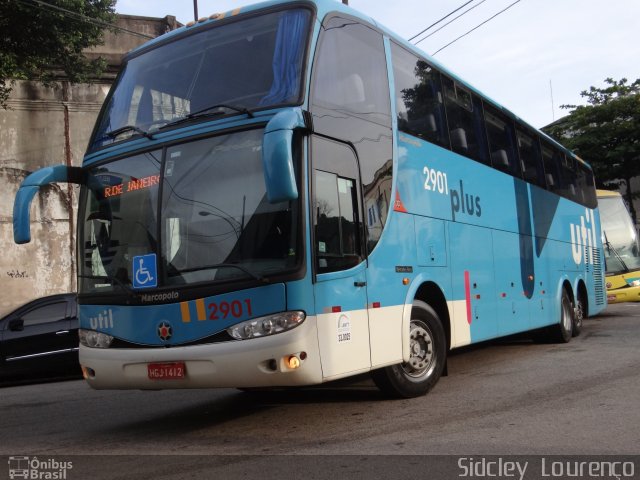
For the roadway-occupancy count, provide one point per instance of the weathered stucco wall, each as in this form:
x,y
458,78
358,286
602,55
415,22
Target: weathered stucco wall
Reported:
x,y
49,126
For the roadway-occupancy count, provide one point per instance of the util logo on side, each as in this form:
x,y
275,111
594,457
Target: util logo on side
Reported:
x,y
103,320
583,238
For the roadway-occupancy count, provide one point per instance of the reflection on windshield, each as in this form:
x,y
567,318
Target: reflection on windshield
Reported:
x,y
215,223
119,219
216,213
620,238
252,63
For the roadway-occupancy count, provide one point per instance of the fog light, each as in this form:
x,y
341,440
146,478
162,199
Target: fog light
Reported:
x,y
87,372
292,362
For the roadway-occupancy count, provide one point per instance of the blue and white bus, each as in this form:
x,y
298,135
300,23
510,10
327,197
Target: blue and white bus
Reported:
x,y
288,194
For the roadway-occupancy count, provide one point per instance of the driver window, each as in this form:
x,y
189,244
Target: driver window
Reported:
x,y
336,207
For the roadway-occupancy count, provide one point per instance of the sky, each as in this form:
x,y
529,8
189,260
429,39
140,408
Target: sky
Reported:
x,y
532,58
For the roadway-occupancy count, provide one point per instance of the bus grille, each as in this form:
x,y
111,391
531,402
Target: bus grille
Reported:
x,y
597,276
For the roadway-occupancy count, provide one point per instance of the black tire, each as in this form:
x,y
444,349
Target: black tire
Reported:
x,y
579,314
428,357
562,331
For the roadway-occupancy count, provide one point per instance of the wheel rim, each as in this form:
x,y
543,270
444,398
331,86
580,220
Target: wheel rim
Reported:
x,y
566,315
579,312
422,362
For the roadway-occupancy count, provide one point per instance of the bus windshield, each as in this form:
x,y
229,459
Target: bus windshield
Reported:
x,y
619,236
213,222
256,62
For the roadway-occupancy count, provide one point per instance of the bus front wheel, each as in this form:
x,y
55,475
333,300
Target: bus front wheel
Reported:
x,y
428,355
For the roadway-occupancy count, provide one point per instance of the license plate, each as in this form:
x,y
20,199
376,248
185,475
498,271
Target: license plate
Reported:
x,y
166,371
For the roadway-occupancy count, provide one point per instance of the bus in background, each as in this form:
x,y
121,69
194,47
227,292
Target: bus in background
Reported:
x,y
288,194
620,239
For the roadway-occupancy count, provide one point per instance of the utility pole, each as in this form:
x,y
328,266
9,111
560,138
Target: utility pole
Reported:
x,y
195,10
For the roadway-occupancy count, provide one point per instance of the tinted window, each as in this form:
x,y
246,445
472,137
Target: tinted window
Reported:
x,y
465,121
586,186
45,314
254,62
569,187
350,71
530,158
338,228
418,97
501,141
551,159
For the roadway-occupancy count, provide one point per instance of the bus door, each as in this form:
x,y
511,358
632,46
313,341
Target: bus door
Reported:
x,y
340,265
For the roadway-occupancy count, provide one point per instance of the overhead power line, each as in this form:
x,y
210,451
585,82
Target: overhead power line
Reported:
x,y
81,17
450,22
476,27
443,18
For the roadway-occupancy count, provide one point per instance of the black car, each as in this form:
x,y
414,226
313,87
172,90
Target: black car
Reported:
x,y
40,338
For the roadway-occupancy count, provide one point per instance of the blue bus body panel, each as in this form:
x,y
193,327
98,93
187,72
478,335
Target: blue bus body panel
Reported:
x,y
190,321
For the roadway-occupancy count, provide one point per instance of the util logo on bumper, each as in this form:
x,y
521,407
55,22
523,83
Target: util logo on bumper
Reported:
x,y
583,237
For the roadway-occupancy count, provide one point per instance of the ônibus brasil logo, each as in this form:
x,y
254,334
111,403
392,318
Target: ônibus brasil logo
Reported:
x,y
34,468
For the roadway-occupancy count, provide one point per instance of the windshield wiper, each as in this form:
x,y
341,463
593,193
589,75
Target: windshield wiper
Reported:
x,y
611,248
225,265
207,112
127,128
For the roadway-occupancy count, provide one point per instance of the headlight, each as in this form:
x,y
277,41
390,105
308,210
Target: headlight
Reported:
x,y
269,325
93,339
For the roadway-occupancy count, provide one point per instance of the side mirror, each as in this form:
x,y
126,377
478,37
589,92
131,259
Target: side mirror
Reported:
x,y
28,190
277,155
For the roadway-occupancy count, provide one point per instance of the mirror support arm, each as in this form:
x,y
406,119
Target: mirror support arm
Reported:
x,y
28,190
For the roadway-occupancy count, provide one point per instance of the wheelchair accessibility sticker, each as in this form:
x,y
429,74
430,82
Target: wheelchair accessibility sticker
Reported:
x,y
145,271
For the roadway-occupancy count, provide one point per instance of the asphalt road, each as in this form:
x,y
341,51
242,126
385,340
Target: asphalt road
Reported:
x,y
511,397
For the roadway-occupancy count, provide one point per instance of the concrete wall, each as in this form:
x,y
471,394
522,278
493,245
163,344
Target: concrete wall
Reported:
x,y
49,126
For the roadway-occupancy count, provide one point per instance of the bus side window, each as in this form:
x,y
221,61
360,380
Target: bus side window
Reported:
x,y
337,223
501,141
586,186
530,158
418,95
351,73
551,169
336,206
465,121
569,177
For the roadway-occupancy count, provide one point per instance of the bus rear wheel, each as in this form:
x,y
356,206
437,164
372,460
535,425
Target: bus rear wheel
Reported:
x,y
579,314
426,364
563,331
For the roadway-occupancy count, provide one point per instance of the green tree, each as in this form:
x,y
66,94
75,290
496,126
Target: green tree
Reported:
x,y
40,40
606,133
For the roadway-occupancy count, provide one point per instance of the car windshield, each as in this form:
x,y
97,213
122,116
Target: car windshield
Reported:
x,y
191,213
252,63
619,235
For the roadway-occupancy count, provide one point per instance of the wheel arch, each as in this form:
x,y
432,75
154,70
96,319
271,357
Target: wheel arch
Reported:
x,y
582,292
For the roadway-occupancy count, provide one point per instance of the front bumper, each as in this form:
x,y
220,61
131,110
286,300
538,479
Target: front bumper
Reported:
x,y
259,362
